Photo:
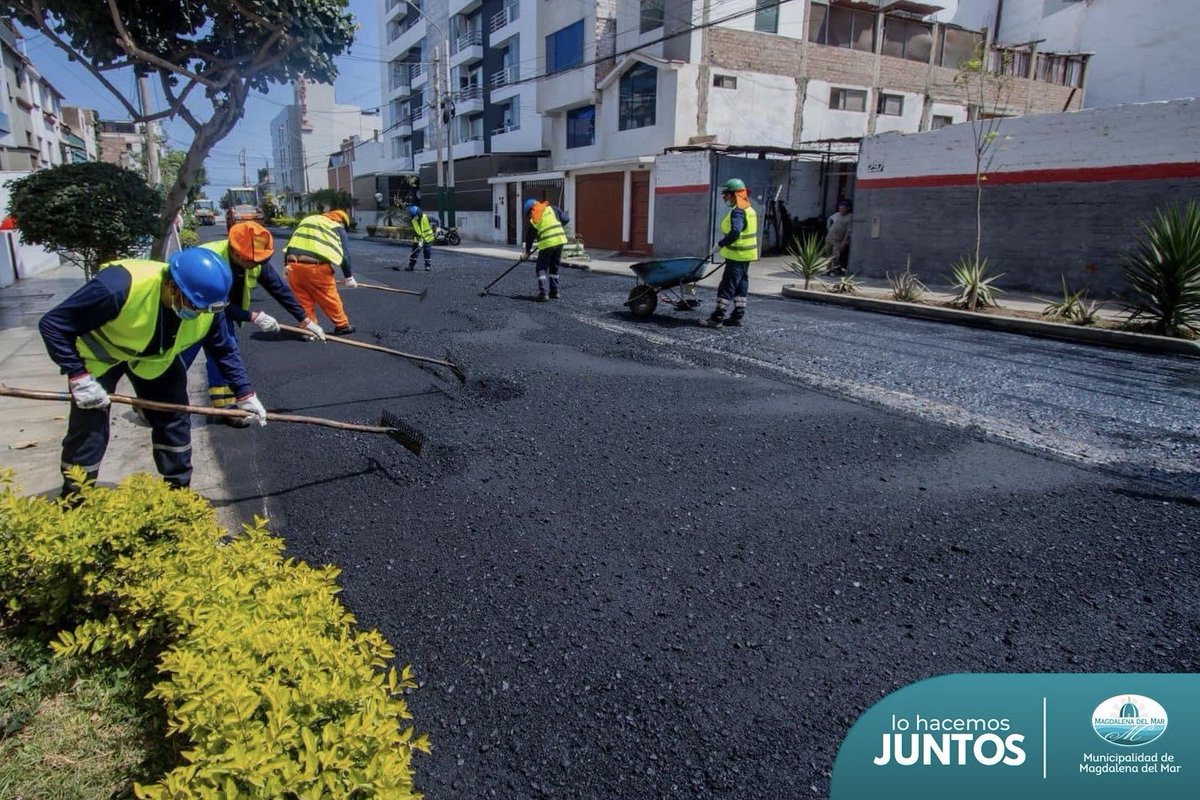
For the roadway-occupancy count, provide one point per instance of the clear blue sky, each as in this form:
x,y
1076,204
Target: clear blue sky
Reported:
x,y
357,84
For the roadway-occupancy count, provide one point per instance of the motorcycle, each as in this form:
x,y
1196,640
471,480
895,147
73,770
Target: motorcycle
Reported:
x,y
442,235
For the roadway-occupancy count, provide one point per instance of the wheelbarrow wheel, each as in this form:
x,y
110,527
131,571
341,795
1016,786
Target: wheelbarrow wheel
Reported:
x,y
642,301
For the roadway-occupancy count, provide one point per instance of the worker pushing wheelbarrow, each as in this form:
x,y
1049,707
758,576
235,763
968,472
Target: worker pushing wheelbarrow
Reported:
x,y
670,278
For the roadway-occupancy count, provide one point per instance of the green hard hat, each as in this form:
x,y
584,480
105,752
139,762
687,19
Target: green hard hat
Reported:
x,y
734,185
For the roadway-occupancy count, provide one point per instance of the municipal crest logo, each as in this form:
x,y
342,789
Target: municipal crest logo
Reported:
x,y
1129,720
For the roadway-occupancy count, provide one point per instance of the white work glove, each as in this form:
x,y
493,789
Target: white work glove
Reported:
x,y
312,327
351,283
87,392
252,404
265,322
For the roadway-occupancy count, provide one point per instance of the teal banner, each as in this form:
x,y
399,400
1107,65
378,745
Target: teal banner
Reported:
x,y
1031,737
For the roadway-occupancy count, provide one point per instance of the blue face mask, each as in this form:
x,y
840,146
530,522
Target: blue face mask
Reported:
x,y
184,312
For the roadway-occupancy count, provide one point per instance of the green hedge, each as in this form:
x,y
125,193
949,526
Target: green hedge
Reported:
x,y
267,683
285,222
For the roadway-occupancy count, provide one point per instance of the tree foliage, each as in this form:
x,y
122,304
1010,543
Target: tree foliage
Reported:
x,y
220,50
169,168
329,199
987,89
89,213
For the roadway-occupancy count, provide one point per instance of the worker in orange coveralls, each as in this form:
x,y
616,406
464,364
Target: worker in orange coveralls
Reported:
x,y
317,247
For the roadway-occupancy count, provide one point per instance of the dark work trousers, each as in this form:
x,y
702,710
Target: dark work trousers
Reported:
x,y
735,286
417,247
547,269
170,431
220,393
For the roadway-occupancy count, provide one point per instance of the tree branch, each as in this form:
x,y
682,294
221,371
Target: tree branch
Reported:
x,y
130,47
177,103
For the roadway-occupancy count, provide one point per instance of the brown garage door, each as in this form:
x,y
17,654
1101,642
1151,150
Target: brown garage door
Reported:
x,y
639,215
599,210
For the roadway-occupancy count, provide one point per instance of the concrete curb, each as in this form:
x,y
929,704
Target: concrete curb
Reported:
x,y
1125,340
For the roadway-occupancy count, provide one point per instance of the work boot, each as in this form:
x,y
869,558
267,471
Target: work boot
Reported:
x,y
713,322
734,321
410,267
541,297
554,294
344,330
428,267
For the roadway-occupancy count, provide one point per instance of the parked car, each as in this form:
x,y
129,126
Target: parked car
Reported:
x,y
243,213
204,212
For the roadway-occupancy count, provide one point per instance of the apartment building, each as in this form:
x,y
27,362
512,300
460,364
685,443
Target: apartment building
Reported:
x,y
80,135
1141,51
123,142
468,65
31,107
303,135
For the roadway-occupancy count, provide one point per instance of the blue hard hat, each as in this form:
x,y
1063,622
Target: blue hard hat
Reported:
x,y
202,276
414,210
529,204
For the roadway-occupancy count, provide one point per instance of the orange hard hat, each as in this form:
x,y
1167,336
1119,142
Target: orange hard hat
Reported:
x,y
251,242
337,215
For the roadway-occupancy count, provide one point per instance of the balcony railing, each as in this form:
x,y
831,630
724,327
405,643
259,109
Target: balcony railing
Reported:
x,y
516,126
415,71
417,114
511,13
509,74
400,79
469,39
471,92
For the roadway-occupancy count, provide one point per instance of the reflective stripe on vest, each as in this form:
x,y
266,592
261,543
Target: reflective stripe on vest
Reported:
x,y
221,248
318,235
745,248
422,229
126,338
550,231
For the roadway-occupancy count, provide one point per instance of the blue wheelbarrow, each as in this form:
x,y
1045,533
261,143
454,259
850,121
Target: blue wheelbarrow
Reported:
x,y
666,277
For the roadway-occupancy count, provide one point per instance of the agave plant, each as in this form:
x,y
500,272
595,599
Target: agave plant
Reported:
x,y
973,283
906,287
1068,307
809,257
1164,272
847,284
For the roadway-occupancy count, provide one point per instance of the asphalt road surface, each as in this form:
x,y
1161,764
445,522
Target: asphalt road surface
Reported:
x,y
650,560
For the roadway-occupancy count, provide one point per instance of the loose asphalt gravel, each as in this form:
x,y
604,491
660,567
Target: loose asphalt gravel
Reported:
x,y
648,560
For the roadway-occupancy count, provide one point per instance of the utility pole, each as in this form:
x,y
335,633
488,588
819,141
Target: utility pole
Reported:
x,y
242,161
448,115
437,124
152,174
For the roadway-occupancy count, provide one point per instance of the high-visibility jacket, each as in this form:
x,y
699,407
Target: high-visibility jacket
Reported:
x,y
550,230
127,339
745,247
221,248
318,235
422,229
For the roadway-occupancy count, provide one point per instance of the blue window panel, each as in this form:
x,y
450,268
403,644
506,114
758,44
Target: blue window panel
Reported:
x,y
581,127
564,48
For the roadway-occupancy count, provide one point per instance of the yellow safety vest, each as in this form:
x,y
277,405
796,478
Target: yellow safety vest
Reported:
x,y
551,232
745,248
126,339
422,229
318,235
221,248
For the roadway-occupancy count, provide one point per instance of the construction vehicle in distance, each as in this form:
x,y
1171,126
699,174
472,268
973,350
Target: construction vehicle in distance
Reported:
x,y
241,205
205,212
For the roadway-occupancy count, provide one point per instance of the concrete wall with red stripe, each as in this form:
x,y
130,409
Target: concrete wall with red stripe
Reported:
x,y
1064,195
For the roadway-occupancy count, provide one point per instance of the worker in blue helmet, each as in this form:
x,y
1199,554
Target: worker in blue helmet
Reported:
x,y
422,237
133,320
545,226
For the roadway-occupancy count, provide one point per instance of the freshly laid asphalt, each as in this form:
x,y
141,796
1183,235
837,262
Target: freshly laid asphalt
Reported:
x,y
642,559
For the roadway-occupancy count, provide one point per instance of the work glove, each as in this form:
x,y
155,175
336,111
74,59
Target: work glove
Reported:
x,y
265,322
87,392
312,327
252,404
351,283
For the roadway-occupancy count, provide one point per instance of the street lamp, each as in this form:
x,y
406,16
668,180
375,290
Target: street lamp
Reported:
x,y
445,194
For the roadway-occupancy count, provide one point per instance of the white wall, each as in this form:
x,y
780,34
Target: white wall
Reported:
x,y
760,111
822,123
791,17
803,198
16,258
1128,135
909,120
689,168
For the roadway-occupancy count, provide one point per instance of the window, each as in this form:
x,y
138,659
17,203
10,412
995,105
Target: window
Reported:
x,y
890,105
639,97
766,16
581,127
908,39
958,46
838,26
847,100
510,117
938,122
652,15
564,48
724,81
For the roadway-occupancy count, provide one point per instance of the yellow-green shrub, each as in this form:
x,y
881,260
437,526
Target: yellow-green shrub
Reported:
x,y
266,679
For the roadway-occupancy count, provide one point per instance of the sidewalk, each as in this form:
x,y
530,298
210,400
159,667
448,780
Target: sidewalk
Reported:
x,y
31,431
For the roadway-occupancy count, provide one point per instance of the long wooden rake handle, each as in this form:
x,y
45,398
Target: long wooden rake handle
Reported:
x,y
154,405
421,294
450,365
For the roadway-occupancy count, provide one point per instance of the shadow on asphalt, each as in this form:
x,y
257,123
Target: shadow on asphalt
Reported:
x,y
273,492
347,402
658,320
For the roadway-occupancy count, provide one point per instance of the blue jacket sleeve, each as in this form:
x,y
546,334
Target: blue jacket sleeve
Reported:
x,y
222,351
269,279
98,301
345,237
737,224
